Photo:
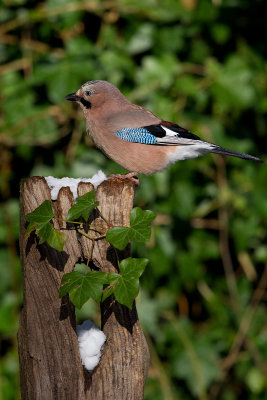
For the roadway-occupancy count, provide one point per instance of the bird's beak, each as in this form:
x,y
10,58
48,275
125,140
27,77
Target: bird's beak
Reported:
x,y
72,97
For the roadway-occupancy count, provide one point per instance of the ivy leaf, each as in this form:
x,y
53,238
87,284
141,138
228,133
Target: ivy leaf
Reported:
x,y
126,284
40,220
41,216
82,287
85,204
119,236
56,239
138,231
112,279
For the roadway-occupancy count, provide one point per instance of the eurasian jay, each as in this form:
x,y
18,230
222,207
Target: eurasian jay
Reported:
x,y
133,136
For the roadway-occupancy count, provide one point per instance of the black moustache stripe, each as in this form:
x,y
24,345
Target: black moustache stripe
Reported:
x,y
85,103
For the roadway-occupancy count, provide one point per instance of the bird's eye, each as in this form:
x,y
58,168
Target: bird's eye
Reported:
x,y
88,92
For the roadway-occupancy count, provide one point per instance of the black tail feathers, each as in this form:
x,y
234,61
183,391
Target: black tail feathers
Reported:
x,y
226,152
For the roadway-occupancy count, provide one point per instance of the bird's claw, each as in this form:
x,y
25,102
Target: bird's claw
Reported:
x,y
131,176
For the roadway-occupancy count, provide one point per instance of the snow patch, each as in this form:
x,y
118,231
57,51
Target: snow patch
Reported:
x,y
55,184
91,341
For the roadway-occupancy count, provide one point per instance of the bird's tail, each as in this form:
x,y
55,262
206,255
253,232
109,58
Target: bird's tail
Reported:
x,y
226,152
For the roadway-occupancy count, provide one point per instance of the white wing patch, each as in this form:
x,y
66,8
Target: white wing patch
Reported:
x,y
169,132
176,139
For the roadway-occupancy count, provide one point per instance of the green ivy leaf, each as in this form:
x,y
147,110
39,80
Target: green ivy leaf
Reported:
x,y
82,287
41,216
44,232
126,284
119,236
85,204
40,220
48,234
56,239
112,278
138,231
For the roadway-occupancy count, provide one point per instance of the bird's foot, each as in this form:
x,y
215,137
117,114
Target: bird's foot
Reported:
x,y
131,176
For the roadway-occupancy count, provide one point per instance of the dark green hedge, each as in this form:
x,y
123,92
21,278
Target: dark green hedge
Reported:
x,y
201,64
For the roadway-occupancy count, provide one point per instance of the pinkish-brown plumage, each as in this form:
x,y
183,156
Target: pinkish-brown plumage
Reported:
x,y
133,136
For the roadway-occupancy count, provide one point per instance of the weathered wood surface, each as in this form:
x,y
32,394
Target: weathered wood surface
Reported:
x,y
50,365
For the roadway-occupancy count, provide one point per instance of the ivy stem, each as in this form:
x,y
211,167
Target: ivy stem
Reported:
x,y
80,223
104,218
117,256
90,237
89,256
111,286
65,220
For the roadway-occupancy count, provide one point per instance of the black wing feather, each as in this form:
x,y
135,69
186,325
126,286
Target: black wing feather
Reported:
x,y
182,132
156,130
159,132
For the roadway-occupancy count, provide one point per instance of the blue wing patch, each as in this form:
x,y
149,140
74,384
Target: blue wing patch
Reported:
x,y
136,135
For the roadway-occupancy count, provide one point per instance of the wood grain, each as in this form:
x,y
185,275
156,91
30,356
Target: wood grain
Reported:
x,y
50,365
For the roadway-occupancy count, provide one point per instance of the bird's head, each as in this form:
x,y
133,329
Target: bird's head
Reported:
x,y
94,95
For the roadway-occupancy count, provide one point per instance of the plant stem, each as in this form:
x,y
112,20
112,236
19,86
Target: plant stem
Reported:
x,y
110,286
105,219
66,220
89,256
89,237
117,256
80,223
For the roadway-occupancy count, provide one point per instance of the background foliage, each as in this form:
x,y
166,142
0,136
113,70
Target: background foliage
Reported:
x,y
199,63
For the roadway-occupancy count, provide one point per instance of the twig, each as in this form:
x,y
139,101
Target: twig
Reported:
x,y
89,256
15,65
111,286
163,378
117,256
191,355
51,111
94,228
29,43
89,237
74,141
223,216
105,219
36,15
255,354
240,337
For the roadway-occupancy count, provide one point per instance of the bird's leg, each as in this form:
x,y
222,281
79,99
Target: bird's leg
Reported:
x,y
130,175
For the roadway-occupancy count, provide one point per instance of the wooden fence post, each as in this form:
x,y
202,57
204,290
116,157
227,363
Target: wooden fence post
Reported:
x,y
50,365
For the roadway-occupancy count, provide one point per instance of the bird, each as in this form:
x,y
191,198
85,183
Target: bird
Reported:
x,y
134,137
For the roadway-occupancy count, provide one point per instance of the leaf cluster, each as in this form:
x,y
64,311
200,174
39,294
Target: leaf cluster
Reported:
x,y
40,221
86,284
99,285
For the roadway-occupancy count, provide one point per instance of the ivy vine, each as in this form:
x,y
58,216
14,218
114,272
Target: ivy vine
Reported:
x,y
84,283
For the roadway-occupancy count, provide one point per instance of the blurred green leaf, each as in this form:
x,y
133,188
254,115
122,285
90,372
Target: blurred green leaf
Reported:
x,y
142,40
201,64
8,302
255,380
